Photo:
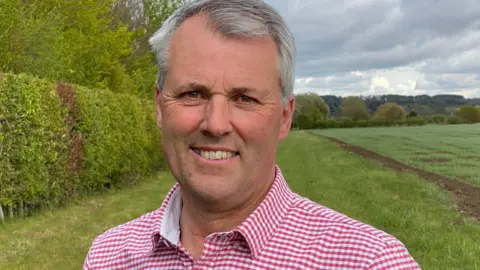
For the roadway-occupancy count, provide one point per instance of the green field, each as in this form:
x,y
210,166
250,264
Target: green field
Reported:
x,y
417,212
449,150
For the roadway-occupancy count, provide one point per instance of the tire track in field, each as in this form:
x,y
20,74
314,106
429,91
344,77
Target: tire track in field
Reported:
x,y
467,196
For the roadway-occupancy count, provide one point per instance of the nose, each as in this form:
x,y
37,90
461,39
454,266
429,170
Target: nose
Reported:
x,y
217,117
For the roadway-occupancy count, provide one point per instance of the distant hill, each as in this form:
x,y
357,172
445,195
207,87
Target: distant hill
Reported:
x,y
422,105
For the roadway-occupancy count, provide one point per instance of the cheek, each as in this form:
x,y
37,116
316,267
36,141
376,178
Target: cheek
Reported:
x,y
183,120
258,126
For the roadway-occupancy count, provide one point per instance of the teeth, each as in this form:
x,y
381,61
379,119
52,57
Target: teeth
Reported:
x,y
214,155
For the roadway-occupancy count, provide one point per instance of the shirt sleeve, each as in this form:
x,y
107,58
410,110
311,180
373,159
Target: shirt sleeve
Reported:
x,y
394,256
86,263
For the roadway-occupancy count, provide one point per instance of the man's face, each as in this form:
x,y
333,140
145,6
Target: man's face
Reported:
x,y
221,113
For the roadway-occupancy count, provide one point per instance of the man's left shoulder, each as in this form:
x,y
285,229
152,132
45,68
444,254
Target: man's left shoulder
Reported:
x,y
335,235
330,219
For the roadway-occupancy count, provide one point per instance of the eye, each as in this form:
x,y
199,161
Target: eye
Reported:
x,y
192,96
245,99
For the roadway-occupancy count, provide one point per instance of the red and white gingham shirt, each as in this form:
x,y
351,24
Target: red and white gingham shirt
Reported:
x,y
286,231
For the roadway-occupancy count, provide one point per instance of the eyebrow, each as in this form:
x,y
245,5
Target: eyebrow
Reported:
x,y
192,86
203,88
243,90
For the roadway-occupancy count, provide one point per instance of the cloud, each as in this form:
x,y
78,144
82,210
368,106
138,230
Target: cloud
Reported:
x,y
416,45
379,82
401,81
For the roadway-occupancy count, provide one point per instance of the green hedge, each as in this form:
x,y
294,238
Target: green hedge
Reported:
x,y
32,141
59,141
453,120
348,123
120,137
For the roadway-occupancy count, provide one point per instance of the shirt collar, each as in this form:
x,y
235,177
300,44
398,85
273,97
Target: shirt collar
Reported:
x,y
167,219
257,228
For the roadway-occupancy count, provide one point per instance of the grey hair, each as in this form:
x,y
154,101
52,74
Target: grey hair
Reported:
x,y
243,19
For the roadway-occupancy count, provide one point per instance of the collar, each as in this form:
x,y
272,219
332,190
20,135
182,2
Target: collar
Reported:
x,y
257,229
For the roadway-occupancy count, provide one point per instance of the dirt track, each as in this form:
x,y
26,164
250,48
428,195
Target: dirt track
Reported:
x,y
467,196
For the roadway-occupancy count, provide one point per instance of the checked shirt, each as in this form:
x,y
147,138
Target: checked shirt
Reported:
x,y
286,231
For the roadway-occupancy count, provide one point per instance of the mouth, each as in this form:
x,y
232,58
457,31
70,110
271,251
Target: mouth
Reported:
x,y
214,154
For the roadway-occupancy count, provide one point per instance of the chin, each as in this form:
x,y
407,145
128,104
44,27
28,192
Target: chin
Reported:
x,y
213,188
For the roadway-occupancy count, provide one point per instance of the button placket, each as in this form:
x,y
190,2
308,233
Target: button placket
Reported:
x,y
184,257
223,241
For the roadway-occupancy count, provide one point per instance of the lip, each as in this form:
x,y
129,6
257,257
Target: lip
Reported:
x,y
214,148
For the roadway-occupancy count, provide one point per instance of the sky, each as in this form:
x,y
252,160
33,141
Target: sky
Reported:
x,y
376,47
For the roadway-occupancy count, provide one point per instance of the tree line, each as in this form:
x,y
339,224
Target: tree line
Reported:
x,y
314,111
422,104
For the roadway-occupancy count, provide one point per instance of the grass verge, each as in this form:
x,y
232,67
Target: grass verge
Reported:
x,y
60,239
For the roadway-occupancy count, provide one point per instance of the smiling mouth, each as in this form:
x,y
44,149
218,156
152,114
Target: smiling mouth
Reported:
x,y
214,155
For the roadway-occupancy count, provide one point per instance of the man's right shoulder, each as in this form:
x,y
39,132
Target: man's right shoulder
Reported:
x,y
134,237
142,224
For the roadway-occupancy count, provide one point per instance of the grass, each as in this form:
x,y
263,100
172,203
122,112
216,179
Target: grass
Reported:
x,y
450,150
60,239
413,210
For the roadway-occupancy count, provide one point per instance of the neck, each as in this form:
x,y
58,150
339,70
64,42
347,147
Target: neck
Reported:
x,y
199,219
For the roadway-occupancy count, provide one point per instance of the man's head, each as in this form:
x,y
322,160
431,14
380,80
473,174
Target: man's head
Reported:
x,y
224,96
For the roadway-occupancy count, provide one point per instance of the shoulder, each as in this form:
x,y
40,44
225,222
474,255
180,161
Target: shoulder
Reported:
x,y
143,225
333,236
133,237
331,220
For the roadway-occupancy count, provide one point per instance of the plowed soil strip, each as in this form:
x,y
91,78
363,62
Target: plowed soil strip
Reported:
x,y
467,196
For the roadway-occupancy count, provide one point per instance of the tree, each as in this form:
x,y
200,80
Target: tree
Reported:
x,y
354,108
64,42
334,103
143,17
309,109
390,112
438,118
412,114
95,43
469,114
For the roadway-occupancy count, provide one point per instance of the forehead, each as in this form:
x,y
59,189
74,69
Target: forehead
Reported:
x,y
195,50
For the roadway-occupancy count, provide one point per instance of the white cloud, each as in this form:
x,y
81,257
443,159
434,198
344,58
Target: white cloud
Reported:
x,y
401,81
379,82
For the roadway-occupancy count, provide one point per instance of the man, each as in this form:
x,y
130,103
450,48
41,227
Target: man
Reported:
x,y
224,100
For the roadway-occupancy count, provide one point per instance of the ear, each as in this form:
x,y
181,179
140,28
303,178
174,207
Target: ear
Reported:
x,y
158,106
287,114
